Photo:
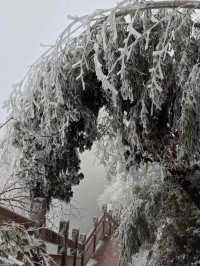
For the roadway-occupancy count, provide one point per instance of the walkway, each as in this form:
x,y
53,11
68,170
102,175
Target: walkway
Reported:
x,y
107,255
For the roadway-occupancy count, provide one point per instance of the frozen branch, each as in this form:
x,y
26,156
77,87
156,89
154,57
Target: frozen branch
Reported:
x,y
6,122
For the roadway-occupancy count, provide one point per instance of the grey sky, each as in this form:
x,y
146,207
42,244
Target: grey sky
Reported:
x,y
24,25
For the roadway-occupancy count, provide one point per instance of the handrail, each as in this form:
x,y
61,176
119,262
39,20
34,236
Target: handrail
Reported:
x,y
9,215
45,234
103,227
93,231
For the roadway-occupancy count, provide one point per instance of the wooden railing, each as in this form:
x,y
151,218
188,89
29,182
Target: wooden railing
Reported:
x,y
74,251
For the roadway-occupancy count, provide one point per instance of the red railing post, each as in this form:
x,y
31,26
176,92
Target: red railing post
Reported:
x,y
75,237
62,249
110,222
95,221
38,211
104,209
38,215
82,241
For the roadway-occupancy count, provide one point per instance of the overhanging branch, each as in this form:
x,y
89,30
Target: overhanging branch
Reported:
x,y
6,122
159,5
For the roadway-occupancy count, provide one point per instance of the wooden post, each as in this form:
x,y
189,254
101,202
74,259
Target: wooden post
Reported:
x,y
95,221
75,237
62,249
38,211
110,222
38,215
104,209
82,241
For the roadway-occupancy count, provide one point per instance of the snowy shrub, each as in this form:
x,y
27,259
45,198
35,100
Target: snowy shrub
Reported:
x,y
159,221
133,203
19,247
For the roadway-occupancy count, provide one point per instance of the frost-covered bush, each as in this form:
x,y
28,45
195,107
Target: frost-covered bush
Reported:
x,y
12,190
191,103
135,202
137,223
19,247
159,221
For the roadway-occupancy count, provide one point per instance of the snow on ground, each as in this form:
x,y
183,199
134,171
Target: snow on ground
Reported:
x,y
99,245
92,262
140,259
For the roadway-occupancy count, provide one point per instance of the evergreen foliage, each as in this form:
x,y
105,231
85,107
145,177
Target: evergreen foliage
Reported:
x,y
19,247
140,64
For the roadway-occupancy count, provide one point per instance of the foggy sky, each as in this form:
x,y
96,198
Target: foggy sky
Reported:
x,y
24,25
